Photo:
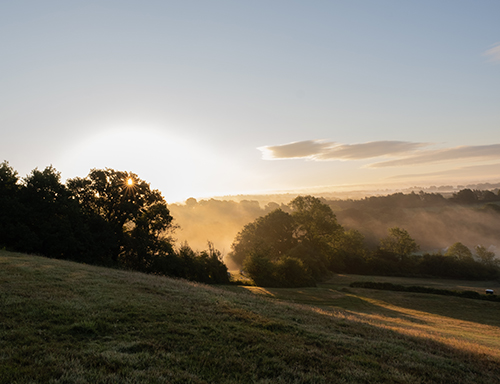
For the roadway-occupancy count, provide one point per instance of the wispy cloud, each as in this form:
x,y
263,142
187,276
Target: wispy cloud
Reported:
x,y
493,53
369,150
328,150
296,150
477,152
401,153
470,171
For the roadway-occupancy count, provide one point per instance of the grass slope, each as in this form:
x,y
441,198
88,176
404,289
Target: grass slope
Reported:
x,y
62,322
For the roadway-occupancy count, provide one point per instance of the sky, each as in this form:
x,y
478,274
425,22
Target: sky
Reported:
x,y
217,97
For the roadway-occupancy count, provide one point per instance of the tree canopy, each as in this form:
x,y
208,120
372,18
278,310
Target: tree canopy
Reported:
x,y
109,217
137,215
399,242
284,249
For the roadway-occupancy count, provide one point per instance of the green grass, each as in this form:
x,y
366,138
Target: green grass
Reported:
x,y
62,322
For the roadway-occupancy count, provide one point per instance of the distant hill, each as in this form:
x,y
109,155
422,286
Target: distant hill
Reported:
x,y
63,322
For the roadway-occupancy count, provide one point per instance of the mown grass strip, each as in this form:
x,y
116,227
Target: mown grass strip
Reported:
x,y
419,289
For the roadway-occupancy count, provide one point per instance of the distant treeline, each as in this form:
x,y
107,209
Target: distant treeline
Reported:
x,y
109,218
302,243
471,217
113,218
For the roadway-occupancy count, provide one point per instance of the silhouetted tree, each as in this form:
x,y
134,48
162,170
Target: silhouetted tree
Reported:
x,y
261,269
205,266
350,253
13,230
316,224
137,215
272,234
464,196
303,240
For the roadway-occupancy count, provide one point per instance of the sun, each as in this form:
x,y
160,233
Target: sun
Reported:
x,y
130,182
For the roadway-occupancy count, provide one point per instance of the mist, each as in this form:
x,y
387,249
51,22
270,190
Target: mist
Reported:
x,y
434,228
217,221
435,222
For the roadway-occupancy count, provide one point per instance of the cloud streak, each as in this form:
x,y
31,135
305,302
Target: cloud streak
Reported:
x,y
308,149
493,54
472,170
401,153
328,150
477,152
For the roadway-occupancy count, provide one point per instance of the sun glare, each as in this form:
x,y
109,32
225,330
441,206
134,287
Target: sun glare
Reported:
x,y
145,151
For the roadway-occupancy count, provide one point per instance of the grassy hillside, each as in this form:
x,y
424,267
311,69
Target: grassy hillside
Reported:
x,y
62,322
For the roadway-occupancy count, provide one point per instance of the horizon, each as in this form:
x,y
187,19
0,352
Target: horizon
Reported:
x,y
205,99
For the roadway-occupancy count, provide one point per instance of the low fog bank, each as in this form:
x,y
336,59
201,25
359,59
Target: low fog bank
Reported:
x,y
433,220
217,221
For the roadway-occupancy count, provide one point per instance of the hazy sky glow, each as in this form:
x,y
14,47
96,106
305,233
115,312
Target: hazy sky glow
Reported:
x,y
205,98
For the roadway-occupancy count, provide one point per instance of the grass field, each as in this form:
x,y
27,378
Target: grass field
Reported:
x,y
62,322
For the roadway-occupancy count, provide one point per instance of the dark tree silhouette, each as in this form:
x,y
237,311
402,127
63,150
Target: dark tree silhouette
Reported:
x,y
137,215
272,234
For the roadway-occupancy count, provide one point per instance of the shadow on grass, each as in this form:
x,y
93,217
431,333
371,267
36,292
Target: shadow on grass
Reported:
x,y
362,300
323,297
464,309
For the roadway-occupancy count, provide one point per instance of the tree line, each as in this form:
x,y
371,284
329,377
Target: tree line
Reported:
x,y
114,218
302,243
434,221
110,218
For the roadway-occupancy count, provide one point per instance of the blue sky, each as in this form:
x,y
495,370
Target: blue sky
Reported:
x,y
205,98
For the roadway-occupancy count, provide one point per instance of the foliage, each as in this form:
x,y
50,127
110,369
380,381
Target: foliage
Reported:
x,y
289,249
399,242
316,224
452,267
108,218
317,245
273,233
261,269
205,266
137,215
12,226
486,257
350,253
459,251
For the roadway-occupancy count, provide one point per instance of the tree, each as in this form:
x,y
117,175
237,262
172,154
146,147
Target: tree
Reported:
x,y
315,221
459,251
50,215
350,253
486,257
137,215
272,234
281,244
465,196
291,272
205,266
12,228
261,269
399,242
8,180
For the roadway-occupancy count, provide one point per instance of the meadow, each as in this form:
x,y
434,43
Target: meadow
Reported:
x,y
64,322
